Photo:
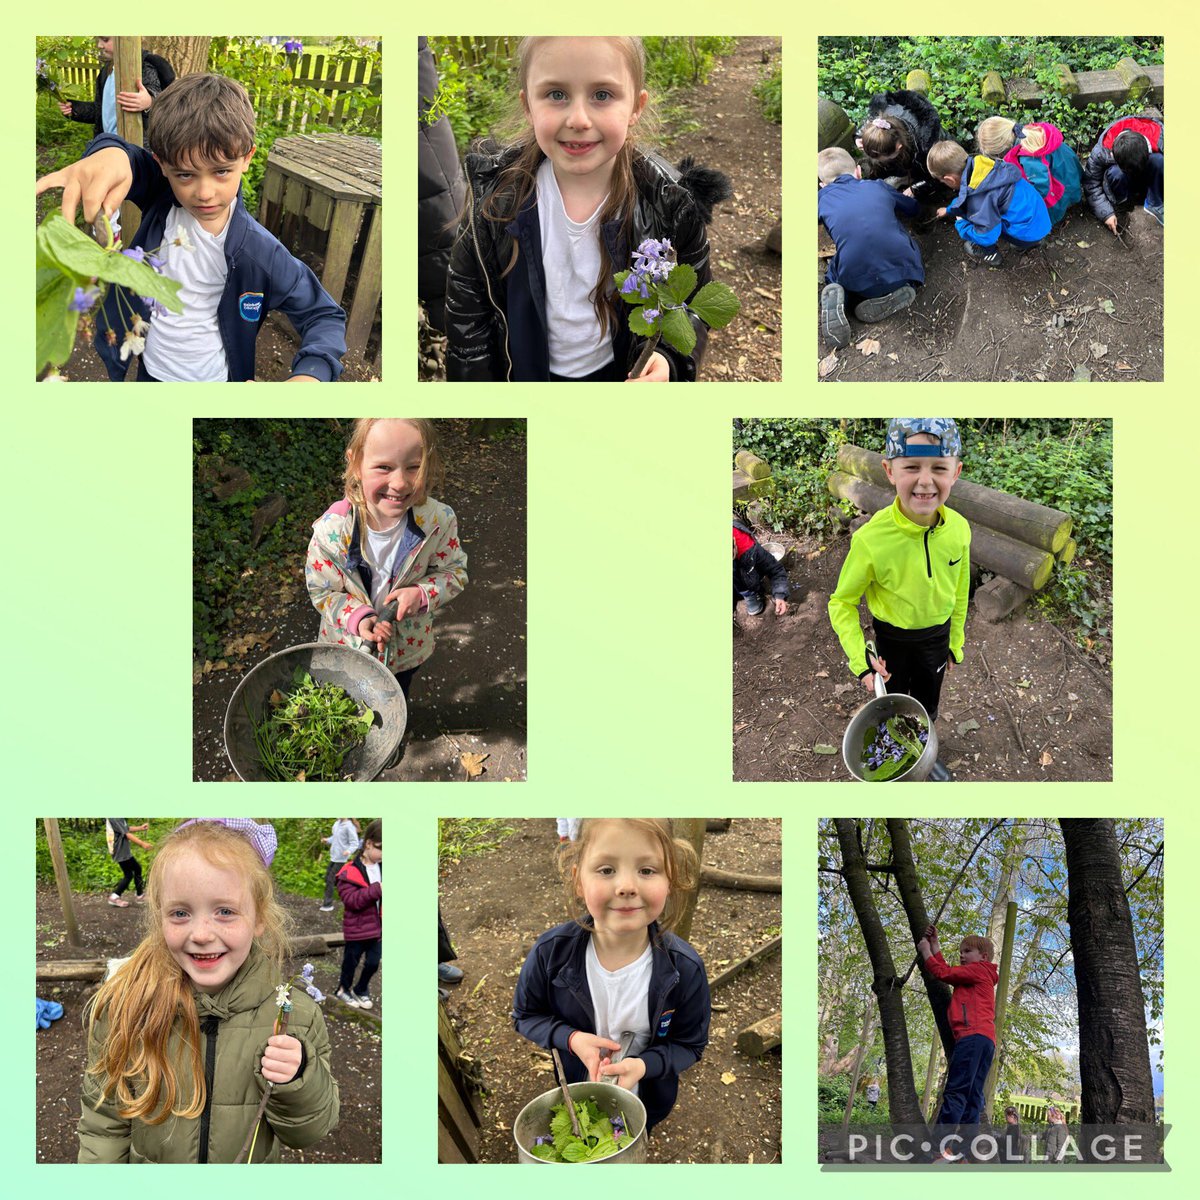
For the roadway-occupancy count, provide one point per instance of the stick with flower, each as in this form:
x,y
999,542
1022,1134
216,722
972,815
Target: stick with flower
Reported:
x,y
74,273
658,287
283,999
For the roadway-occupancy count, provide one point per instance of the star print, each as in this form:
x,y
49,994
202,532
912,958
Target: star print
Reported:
x,y
453,543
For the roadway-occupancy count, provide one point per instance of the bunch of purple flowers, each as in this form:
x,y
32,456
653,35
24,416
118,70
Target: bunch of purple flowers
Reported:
x,y
885,747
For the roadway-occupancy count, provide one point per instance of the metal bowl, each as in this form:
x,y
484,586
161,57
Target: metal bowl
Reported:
x,y
366,679
533,1121
882,708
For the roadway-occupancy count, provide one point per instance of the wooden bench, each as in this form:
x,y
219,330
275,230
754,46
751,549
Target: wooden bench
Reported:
x,y
458,1112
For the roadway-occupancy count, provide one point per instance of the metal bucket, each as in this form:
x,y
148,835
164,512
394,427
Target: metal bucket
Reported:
x,y
366,679
882,708
533,1121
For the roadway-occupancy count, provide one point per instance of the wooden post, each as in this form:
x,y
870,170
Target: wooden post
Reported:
x,y
127,70
864,1039
1010,930
62,879
935,1045
692,830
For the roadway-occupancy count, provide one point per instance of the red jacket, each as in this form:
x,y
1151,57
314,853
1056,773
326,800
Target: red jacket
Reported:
x,y
363,918
973,1003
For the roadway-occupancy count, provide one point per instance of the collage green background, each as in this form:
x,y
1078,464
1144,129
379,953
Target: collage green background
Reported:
x,y
629,644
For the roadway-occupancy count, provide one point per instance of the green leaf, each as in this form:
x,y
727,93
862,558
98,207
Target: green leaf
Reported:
x,y
680,284
677,330
575,1151
633,297
639,325
715,304
544,1151
55,324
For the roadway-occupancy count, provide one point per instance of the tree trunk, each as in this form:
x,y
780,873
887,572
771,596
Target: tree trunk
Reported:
x,y
1023,564
62,880
762,1036
918,917
692,830
903,1106
187,55
1046,528
1114,1058
746,883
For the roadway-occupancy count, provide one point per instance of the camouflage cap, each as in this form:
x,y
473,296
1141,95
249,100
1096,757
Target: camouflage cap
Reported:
x,y
900,429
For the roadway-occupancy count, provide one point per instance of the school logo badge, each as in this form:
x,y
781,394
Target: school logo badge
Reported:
x,y
664,1022
250,305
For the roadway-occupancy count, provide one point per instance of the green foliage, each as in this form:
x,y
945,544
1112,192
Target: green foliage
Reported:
x,y
768,91
676,62
463,837
852,69
832,1093
597,1135
301,459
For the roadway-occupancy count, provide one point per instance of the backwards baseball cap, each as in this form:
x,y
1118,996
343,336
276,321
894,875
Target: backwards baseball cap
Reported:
x,y
901,429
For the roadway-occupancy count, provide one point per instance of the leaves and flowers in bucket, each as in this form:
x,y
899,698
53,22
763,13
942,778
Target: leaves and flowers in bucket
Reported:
x,y
601,1136
892,747
659,289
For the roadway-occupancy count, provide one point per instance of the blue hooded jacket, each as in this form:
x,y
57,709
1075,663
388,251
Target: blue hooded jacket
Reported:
x,y
994,199
552,1001
262,277
875,253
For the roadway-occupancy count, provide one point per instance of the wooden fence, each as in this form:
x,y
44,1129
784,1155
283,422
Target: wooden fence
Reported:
x,y
345,85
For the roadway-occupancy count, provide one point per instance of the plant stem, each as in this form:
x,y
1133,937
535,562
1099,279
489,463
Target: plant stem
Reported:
x,y
252,1137
643,358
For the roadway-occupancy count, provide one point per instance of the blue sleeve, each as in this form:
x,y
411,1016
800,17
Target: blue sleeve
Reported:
x,y
906,204
317,318
688,1034
149,183
1037,175
533,1013
972,233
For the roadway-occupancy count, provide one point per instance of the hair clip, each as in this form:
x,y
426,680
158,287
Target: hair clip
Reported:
x,y
880,123
261,837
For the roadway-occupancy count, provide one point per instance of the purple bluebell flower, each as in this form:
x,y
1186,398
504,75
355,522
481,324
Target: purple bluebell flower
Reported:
x,y
156,307
137,253
157,263
41,66
83,299
650,314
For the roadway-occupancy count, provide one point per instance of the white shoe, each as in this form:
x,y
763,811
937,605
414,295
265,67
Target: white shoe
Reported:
x,y
326,908
346,998
363,1001
117,902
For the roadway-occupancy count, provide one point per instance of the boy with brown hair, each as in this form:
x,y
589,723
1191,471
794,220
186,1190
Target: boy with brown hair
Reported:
x,y
195,229
972,1021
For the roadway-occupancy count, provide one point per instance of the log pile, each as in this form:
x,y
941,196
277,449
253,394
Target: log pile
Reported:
x,y
751,476
1017,540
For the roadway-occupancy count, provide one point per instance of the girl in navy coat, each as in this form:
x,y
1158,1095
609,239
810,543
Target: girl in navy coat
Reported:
x,y
615,975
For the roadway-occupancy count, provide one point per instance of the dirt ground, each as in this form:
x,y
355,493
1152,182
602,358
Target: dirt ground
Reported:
x,y
470,696
355,1035
1043,316
1042,707
496,905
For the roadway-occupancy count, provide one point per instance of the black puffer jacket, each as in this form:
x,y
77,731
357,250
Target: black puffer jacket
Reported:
x,y
157,74
496,323
440,192
920,118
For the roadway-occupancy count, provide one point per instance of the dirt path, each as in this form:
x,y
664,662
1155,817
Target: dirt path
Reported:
x,y
356,1038
496,905
1063,306
470,696
792,691
734,136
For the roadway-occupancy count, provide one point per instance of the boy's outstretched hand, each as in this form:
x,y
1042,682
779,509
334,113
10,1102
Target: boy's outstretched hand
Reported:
x,y
99,182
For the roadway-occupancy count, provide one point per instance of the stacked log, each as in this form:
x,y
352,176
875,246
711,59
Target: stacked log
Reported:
x,y
1015,539
751,476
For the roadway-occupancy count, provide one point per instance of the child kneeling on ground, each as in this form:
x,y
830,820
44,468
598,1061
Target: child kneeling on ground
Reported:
x,y
913,562
994,202
754,569
877,266
1038,151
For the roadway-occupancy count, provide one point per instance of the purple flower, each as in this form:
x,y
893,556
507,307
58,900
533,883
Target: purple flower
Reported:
x,y
83,299
650,314
137,253
157,309
157,263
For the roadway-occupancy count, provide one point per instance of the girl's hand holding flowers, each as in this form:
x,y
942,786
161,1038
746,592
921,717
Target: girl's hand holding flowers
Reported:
x,y
282,1058
657,371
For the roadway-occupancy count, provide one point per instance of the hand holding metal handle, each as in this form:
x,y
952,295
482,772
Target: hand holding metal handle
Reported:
x,y
880,686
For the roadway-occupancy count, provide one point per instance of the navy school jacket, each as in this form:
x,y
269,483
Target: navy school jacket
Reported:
x,y
552,1001
263,276
875,253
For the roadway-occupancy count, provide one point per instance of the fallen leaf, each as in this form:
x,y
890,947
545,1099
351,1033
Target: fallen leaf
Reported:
x,y
822,675
518,583
728,1077
301,777
1107,306
1098,349
953,766
965,727
894,357
827,364
473,763
843,688
824,748
278,698
1083,245
1082,375
1045,760
868,346
1023,683
1072,696
1062,291
543,1066
1122,365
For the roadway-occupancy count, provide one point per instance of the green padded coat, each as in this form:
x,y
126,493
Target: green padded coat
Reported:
x,y
234,1026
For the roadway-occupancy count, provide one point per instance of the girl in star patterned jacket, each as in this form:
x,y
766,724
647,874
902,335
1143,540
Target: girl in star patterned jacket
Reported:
x,y
386,541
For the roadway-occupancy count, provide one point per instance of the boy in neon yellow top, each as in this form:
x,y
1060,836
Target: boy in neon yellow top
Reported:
x,y
913,562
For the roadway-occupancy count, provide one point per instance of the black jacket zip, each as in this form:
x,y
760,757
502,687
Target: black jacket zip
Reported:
x,y
928,564
209,1027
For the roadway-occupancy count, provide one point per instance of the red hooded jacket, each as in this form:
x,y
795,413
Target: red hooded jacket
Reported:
x,y
363,918
973,1003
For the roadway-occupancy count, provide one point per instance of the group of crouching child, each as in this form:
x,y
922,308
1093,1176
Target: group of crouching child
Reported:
x,y
1017,186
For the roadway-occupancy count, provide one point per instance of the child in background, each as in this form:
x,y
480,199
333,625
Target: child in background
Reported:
x,y
899,130
994,201
360,885
754,569
551,218
204,980
119,834
387,540
1125,168
343,843
972,1021
912,561
1038,151
877,266
614,972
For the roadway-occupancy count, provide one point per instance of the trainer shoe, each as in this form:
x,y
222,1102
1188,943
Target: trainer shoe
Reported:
x,y
1156,211
940,773
755,606
346,998
117,902
326,908
985,254
449,973
879,308
363,1001
833,315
